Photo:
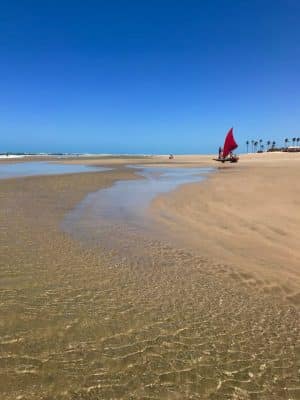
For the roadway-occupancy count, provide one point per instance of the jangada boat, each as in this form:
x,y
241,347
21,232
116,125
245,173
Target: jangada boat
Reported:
x,y
226,154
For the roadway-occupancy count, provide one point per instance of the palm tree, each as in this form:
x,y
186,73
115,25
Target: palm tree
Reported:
x,y
262,146
286,140
298,140
255,145
247,144
252,143
269,143
273,144
294,140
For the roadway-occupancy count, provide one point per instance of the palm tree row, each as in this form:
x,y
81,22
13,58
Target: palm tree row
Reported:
x,y
258,145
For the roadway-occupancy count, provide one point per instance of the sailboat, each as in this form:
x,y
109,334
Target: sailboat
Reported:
x,y
226,154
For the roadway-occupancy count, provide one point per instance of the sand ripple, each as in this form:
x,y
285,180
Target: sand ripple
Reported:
x,y
181,329
85,323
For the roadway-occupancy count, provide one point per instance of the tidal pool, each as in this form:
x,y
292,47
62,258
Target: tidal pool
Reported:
x,y
110,216
32,168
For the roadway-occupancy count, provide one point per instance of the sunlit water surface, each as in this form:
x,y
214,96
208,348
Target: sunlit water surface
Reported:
x,y
116,217
33,168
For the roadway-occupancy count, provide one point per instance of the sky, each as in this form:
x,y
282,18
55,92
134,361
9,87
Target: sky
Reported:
x,y
153,77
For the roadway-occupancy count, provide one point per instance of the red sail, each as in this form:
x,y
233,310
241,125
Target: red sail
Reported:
x,y
229,143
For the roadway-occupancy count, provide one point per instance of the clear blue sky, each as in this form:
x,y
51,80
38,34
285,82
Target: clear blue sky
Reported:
x,y
143,76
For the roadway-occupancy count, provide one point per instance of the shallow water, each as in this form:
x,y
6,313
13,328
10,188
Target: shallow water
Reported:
x,y
33,168
109,214
77,325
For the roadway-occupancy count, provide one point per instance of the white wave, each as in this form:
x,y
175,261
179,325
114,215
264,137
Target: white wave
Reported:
x,y
11,156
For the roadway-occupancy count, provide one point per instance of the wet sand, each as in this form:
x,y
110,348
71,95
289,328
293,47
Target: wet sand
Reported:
x,y
246,215
81,322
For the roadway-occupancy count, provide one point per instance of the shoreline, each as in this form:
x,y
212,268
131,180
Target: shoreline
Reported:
x,y
168,323
170,212
178,215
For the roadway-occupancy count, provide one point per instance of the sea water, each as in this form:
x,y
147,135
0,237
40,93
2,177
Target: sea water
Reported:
x,y
32,168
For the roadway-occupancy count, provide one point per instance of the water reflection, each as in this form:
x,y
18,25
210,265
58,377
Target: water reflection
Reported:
x,y
110,215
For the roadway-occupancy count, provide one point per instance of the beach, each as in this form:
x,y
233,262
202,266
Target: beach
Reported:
x,y
246,215
209,310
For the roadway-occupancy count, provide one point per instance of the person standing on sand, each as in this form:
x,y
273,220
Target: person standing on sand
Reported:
x,y
220,152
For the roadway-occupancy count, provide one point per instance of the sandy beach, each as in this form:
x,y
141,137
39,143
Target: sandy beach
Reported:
x,y
209,311
246,215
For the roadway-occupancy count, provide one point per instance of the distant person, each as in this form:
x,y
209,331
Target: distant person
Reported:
x,y
220,152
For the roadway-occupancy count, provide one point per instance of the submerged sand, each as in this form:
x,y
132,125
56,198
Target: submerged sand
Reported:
x,y
175,323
